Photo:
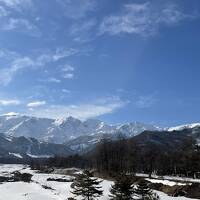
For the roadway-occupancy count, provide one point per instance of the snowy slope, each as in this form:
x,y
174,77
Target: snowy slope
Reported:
x,y
20,125
182,127
62,130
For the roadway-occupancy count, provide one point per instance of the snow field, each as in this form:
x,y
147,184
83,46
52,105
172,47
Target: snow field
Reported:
x,y
56,190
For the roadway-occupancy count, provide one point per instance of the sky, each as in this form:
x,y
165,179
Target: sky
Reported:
x,y
118,61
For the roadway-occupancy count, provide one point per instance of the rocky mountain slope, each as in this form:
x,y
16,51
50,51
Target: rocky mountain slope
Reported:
x,y
21,147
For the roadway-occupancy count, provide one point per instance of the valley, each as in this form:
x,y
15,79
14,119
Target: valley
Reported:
x,y
40,188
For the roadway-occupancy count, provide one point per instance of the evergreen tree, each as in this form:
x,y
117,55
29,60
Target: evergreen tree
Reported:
x,y
86,186
143,192
122,188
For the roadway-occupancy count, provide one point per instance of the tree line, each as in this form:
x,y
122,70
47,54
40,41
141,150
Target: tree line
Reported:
x,y
125,156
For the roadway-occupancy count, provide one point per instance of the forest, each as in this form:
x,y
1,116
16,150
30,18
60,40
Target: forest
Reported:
x,y
128,156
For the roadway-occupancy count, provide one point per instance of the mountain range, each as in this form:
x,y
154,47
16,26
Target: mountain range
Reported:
x,y
63,130
26,136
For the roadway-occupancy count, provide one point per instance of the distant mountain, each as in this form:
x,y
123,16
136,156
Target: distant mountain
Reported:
x,y
166,139
185,126
21,147
74,134
26,136
63,130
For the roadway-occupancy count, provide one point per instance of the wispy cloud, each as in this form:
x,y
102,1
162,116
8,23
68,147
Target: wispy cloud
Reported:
x,y
19,63
36,104
143,19
53,80
63,53
67,68
83,31
66,91
81,111
146,101
14,20
7,74
3,12
77,9
7,54
9,102
68,76
16,4
10,114
21,25
68,71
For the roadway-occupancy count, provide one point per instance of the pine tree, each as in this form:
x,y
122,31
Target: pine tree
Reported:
x,y
86,186
122,188
143,192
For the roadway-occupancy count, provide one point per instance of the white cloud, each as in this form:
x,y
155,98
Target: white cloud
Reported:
x,y
66,91
21,25
67,68
81,111
10,23
36,104
67,72
9,102
63,53
8,55
143,19
18,63
60,53
68,76
16,23
16,4
10,114
53,80
6,74
12,3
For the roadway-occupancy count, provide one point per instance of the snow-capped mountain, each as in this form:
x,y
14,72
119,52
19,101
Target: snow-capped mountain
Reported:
x,y
185,126
134,128
70,133
62,130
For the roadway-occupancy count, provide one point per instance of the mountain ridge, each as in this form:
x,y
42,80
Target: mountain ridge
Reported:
x,y
26,148
32,137
63,130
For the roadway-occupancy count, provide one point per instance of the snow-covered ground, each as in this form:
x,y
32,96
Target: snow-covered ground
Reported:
x,y
173,179
165,182
56,190
35,190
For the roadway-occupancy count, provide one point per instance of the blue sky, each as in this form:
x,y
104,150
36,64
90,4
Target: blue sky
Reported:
x,y
119,61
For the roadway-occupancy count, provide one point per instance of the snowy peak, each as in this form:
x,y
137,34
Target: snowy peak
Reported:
x,y
182,127
68,120
62,130
71,129
134,128
19,125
